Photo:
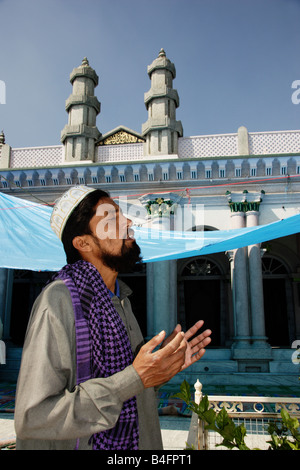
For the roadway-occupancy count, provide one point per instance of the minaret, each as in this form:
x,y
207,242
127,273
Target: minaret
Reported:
x,y
81,134
161,130
5,151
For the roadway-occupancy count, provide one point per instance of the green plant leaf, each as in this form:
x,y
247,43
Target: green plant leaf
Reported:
x,y
228,432
239,434
209,416
226,443
185,392
204,404
222,419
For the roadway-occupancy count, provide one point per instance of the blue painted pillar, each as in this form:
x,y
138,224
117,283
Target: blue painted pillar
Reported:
x,y
161,288
256,288
161,297
6,282
240,289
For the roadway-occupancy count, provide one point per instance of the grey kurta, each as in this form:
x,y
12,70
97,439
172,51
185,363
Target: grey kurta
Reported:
x,y
51,410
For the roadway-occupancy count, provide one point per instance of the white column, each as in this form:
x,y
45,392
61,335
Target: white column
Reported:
x,y
161,289
161,297
240,291
256,287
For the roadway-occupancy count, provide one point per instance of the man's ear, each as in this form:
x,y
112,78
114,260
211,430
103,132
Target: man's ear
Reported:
x,y
81,244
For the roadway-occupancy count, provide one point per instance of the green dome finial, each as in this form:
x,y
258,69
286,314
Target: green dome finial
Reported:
x,y
85,62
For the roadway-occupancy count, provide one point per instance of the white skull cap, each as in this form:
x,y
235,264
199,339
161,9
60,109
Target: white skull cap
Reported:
x,y
65,205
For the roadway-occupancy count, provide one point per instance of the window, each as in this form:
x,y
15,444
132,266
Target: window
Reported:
x,y
272,265
108,179
159,141
150,177
55,181
172,142
238,172
69,180
283,170
193,174
253,171
74,147
207,173
222,173
269,171
136,177
95,179
122,178
165,176
179,175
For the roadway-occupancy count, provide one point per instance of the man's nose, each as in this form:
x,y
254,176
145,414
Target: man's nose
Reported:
x,y
125,221
129,222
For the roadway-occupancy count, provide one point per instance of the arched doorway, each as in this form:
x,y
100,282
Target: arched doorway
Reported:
x,y
278,302
203,295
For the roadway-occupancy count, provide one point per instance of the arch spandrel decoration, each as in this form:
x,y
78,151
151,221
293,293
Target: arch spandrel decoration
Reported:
x,y
201,267
121,136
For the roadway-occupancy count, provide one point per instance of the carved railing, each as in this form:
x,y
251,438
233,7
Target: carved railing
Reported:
x,y
255,412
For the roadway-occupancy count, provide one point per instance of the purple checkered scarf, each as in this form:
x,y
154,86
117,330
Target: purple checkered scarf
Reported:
x,y
103,347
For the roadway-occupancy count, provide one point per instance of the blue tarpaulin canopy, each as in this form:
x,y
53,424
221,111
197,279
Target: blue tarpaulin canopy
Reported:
x,y
27,241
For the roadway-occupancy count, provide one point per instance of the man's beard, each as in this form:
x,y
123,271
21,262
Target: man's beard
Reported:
x,y
126,261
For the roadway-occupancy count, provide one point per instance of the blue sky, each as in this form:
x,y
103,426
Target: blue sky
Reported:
x,y
235,61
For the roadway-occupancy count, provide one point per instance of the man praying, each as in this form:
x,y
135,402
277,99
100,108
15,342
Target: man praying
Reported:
x,y
87,378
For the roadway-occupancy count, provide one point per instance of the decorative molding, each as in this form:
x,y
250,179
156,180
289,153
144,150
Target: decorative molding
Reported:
x,y
160,207
244,205
121,137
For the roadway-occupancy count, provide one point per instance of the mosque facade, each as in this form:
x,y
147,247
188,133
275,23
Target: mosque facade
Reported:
x,y
249,297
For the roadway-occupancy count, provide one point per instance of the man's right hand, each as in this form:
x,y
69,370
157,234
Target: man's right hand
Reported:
x,y
158,367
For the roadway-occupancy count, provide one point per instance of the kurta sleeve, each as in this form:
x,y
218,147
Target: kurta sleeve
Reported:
x,y
49,404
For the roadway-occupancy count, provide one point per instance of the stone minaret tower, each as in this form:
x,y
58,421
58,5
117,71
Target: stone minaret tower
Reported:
x,y
81,134
161,130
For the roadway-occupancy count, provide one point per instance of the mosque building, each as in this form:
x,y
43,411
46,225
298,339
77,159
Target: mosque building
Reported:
x,y
249,297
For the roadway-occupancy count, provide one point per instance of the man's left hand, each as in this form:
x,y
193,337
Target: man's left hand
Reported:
x,y
195,347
